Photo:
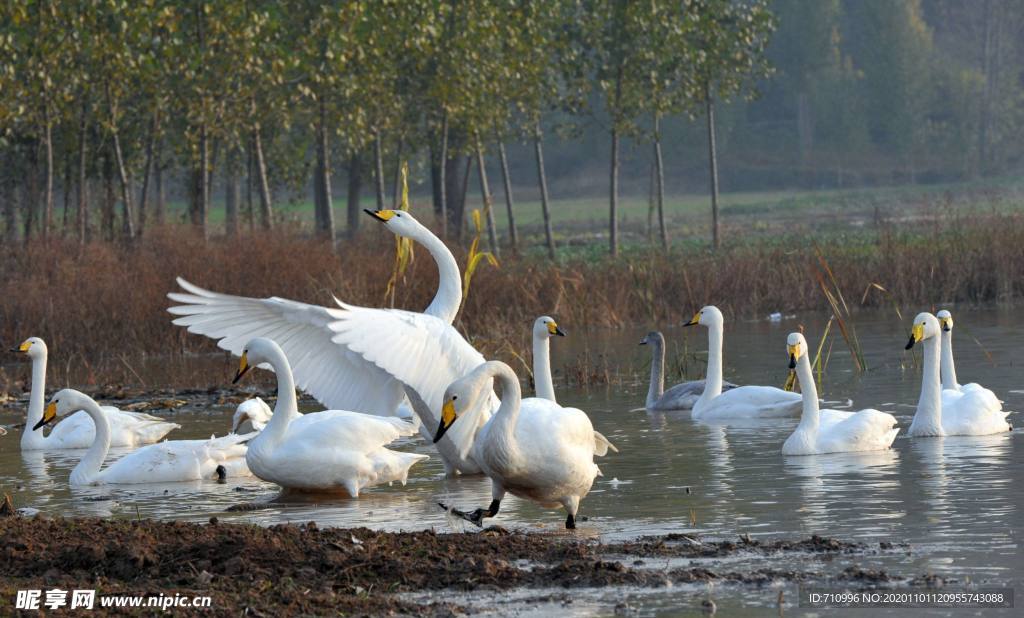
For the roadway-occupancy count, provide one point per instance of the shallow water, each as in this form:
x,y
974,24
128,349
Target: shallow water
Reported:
x,y
958,502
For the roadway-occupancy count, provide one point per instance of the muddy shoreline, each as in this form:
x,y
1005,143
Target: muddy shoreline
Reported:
x,y
305,569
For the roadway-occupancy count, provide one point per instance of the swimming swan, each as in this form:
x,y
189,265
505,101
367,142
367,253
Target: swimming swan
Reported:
x,y
78,430
356,358
951,389
682,396
329,451
544,328
255,410
742,401
971,414
165,462
533,448
832,431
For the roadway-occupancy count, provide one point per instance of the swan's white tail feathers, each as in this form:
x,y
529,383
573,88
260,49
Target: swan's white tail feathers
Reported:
x,y
602,445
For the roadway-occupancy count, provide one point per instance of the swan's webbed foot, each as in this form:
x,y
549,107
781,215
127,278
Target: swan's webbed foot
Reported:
x,y
476,517
570,522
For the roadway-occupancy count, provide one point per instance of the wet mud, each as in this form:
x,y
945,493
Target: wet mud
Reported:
x,y
304,569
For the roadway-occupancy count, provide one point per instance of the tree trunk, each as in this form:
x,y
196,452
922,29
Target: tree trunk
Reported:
x,y
31,197
160,213
651,203
513,234
82,215
47,219
660,181
200,184
442,168
485,193
231,193
126,190
147,170
378,166
542,179
713,166
460,214
262,184
109,198
66,192
397,186
325,220
613,208
250,211
354,197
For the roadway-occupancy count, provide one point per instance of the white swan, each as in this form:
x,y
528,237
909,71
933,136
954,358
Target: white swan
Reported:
x,y
951,389
971,414
357,358
742,401
832,431
682,396
255,410
165,462
78,430
533,448
544,328
329,451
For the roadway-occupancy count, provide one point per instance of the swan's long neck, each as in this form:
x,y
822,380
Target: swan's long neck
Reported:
x,y
657,387
948,369
287,406
507,416
713,383
449,286
89,466
810,418
929,406
542,367
29,438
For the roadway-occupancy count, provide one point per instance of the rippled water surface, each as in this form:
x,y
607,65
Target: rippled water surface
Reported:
x,y
958,501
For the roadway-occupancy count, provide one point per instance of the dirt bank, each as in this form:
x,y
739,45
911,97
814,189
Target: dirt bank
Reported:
x,y
307,570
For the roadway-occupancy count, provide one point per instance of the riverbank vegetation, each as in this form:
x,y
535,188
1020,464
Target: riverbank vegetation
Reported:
x,y
102,307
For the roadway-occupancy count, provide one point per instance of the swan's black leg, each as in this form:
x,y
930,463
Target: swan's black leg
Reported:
x,y
222,474
570,522
477,516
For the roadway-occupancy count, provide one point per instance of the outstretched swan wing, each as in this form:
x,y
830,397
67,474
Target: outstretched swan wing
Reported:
x,y
421,351
338,377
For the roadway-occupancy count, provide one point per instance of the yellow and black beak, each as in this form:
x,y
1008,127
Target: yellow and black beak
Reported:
x,y
695,321
916,335
794,353
554,330
380,215
49,414
243,367
447,418
947,324
23,348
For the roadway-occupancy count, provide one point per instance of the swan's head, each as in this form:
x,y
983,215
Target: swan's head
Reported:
x,y
256,411
654,338
925,326
462,395
257,352
34,347
61,404
708,316
401,222
796,345
945,320
546,327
